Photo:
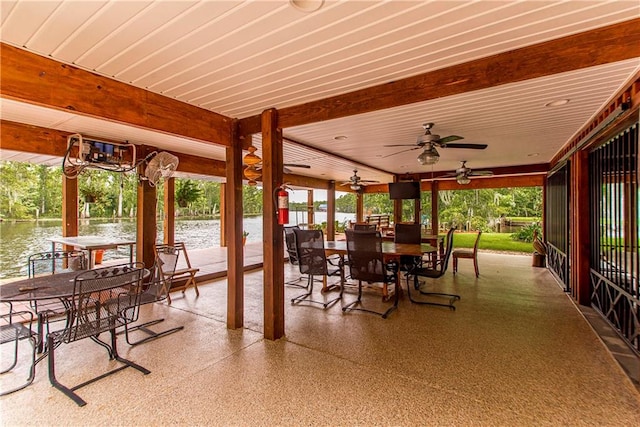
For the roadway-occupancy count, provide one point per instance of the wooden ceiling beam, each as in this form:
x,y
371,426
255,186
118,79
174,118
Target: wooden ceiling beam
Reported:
x,y
604,45
52,142
34,79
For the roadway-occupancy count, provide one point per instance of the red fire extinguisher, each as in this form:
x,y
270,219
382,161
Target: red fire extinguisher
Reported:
x,y
283,206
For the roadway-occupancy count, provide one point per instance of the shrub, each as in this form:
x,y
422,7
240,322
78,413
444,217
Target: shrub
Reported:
x,y
526,233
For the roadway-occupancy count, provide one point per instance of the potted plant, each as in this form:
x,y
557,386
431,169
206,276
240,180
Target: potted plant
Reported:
x,y
244,237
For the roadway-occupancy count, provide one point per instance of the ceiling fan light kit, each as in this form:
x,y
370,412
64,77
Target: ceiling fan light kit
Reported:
x,y
463,179
429,156
356,183
428,142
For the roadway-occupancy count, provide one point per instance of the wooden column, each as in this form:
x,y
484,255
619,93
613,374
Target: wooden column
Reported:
x,y
272,231
359,207
233,210
223,213
331,211
146,218
434,208
69,208
397,207
579,228
169,225
310,219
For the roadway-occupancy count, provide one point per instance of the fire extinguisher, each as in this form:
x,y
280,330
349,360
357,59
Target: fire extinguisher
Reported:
x,y
283,206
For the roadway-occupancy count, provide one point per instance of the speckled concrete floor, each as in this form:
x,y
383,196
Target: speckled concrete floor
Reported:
x,y
515,352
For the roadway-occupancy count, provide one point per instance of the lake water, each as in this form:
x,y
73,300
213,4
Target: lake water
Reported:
x,y
21,239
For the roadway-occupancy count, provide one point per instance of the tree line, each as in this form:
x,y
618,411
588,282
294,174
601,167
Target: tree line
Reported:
x,y
35,191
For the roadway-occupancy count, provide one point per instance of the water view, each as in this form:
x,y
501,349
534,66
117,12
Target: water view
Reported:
x,y
21,239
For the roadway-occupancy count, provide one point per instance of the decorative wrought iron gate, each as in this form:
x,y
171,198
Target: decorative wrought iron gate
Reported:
x,y
557,225
615,259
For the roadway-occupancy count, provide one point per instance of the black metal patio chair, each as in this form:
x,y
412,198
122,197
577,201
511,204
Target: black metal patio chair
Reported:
x,y
312,261
366,264
16,326
292,253
103,300
438,270
43,263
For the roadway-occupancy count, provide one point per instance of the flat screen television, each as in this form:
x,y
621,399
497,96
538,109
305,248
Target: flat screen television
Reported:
x,y
404,190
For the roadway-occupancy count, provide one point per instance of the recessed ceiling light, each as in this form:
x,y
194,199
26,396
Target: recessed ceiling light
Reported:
x,y
557,103
533,154
340,137
306,6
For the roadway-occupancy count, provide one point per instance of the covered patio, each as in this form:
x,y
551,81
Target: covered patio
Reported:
x,y
508,356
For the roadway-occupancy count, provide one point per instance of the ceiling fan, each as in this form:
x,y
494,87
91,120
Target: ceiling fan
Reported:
x,y
428,142
463,173
356,183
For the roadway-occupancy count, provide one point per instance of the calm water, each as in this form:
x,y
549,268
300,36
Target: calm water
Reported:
x,y
20,239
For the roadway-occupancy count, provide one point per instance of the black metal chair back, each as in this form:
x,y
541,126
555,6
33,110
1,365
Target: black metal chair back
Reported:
x,y
56,262
364,249
312,261
310,249
290,241
366,264
103,299
408,233
52,312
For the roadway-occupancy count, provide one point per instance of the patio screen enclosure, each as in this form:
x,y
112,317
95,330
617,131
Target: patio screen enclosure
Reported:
x,y
615,259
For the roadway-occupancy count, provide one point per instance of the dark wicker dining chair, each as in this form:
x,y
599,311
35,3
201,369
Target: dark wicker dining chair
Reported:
x,y
157,290
312,261
435,272
103,300
16,326
366,264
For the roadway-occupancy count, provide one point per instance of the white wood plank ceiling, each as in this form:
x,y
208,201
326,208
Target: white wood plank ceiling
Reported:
x,y
238,58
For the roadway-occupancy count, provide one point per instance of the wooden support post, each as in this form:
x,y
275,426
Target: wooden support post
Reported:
x,y
272,231
359,207
331,211
310,219
146,218
69,208
434,208
223,213
579,228
233,210
169,226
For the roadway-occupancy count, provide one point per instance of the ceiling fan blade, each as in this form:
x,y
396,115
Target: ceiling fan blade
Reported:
x,y
449,138
367,181
295,165
481,173
401,151
465,145
451,174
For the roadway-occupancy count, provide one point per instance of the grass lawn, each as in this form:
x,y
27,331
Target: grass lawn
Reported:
x,y
491,241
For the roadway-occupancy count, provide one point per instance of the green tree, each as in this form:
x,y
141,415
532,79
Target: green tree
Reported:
x,y
187,192
346,203
252,199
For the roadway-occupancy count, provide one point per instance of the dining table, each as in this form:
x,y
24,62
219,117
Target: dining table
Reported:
x,y
390,251
92,243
